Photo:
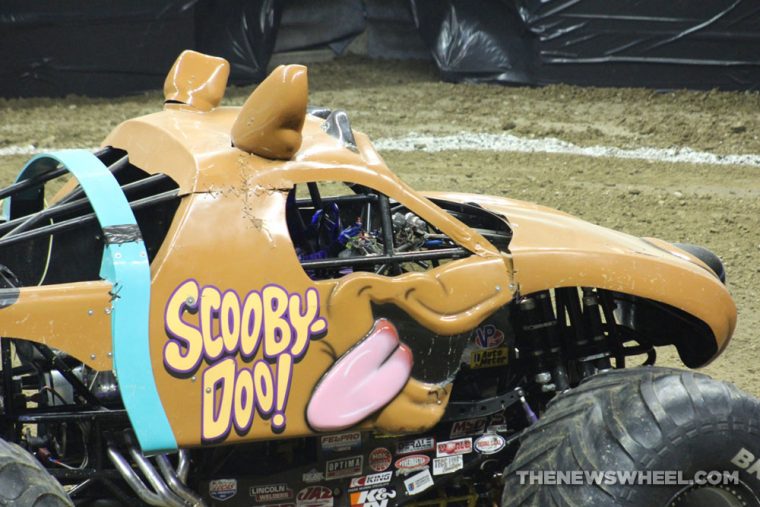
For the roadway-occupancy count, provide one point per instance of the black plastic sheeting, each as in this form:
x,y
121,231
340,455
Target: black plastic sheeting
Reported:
x,y
699,44
116,47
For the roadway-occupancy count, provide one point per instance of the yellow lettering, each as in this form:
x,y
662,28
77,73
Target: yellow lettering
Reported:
x,y
183,351
229,320
244,401
263,382
217,411
302,321
277,332
211,301
250,328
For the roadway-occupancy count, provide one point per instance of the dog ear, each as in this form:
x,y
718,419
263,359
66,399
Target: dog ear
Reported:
x,y
271,120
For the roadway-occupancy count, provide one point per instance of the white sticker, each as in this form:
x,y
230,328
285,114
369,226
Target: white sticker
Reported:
x,y
419,482
448,464
490,444
414,446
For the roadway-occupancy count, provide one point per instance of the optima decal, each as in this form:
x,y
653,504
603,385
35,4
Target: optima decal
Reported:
x,y
206,324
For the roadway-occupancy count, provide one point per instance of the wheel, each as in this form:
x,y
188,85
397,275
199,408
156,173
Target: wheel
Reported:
x,y
24,482
641,425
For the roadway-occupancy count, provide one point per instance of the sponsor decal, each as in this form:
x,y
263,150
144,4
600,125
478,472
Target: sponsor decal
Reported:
x,y
454,447
370,480
207,325
312,476
490,444
222,489
271,493
488,336
448,464
344,467
417,445
488,358
469,427
315,496
498,423
419,482
378,497
745,460
411,463
380,459
342,442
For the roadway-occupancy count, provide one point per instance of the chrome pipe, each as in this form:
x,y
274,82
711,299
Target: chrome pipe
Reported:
x,y
149,471
131,478
170,475
183,466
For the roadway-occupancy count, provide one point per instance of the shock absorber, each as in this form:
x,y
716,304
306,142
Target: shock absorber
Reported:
x,y
540,340
596,348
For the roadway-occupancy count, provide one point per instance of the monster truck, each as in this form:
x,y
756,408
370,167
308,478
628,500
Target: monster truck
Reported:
x,y
244,306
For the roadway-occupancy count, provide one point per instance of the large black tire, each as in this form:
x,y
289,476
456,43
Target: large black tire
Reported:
x,y
24,482
641,419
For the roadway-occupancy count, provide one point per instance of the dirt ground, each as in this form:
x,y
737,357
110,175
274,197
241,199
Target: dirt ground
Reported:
x,y
715,206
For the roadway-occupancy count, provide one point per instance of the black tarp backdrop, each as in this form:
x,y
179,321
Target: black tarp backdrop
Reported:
x,y
115,47
699,44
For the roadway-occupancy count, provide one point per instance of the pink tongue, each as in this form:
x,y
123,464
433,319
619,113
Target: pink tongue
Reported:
x,y
361,382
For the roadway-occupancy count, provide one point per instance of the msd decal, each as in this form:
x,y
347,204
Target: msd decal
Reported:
x,y
469,427
378,497
488,336
205,324
315,496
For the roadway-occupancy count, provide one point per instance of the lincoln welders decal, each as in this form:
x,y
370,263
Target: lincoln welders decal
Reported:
x,y
205,323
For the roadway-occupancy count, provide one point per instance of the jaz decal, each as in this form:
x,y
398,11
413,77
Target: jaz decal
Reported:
x,y
207,324
315,496
488,336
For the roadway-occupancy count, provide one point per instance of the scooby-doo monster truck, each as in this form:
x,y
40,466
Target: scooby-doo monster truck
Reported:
x,y
245,306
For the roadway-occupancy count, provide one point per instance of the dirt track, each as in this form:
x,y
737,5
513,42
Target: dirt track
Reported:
x,y
716,206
